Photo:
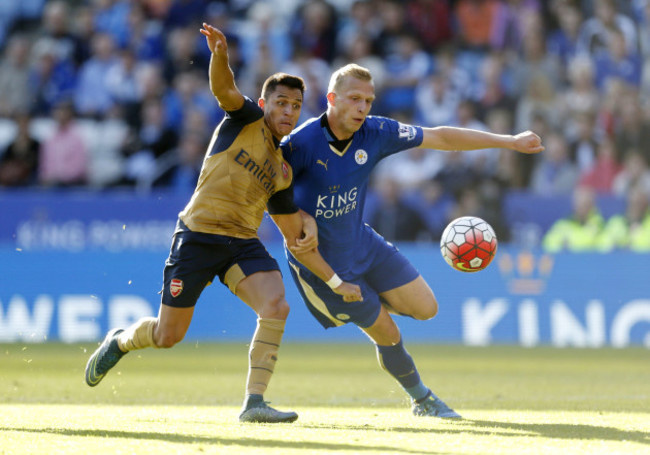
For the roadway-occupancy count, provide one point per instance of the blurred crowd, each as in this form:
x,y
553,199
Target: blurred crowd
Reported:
x,y
114,93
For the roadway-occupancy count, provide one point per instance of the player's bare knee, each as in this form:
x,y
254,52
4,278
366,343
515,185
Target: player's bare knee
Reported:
x,y
275,307
426,311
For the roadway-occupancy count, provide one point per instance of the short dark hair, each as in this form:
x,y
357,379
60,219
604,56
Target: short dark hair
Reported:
x,y
285,79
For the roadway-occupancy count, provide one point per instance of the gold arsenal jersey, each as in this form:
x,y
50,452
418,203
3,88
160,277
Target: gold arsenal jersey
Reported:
x,y
243,168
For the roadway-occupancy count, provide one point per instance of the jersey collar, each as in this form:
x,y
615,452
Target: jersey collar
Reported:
x,y
336,145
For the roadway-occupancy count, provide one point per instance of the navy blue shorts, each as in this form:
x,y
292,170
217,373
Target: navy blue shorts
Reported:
x,y
388,270
196,258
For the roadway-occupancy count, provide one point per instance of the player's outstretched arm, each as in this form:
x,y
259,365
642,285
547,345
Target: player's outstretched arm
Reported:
x,y
451,138
291,227
222,79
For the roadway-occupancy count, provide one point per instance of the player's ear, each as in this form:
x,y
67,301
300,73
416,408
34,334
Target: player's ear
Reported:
x,y
330,97
260,103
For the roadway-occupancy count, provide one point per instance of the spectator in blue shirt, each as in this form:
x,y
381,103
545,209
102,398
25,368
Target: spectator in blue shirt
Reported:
x,y
617,62
92,96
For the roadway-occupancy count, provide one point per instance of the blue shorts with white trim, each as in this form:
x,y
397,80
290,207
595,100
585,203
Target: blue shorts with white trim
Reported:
x,y
389,269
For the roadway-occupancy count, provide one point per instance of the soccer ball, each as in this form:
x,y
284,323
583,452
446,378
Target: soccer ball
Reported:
x,y
468,244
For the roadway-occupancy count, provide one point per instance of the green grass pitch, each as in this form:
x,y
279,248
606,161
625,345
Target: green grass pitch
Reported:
x,y
186,400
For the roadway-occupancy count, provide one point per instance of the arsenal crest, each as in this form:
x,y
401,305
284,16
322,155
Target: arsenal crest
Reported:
x,y
285,170
176,287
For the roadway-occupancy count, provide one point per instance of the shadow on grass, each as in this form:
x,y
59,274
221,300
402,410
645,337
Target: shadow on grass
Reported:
x,y
486,427
567,431
247,442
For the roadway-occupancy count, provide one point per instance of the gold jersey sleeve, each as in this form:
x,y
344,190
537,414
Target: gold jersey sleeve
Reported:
x,y
242,169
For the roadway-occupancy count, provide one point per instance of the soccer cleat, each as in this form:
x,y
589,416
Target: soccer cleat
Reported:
x,y
434,407
104,358
261,412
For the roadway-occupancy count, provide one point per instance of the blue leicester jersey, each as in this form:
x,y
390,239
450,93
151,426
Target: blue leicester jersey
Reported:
x,y
331,185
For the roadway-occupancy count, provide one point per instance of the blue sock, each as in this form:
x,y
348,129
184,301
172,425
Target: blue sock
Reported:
x,y
399,364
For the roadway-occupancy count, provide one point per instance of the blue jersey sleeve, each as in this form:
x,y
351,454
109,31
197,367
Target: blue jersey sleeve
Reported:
x,y
396,136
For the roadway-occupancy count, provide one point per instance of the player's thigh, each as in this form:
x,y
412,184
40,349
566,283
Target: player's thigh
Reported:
x,y
264,293
254,276
193,262
399,284
415,299
189,268
384,331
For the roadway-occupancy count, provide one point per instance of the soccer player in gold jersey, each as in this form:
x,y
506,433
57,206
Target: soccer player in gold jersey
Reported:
x,y
216,234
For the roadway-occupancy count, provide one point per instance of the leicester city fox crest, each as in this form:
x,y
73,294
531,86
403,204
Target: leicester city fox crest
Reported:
x,y
361,156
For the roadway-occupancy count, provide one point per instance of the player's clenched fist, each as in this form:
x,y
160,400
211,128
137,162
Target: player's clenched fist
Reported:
x,y
528,142
350,292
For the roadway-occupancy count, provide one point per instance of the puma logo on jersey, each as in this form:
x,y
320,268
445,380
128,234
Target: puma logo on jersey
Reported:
x,y
323,164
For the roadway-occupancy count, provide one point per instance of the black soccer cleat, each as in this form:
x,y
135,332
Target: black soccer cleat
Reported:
x,y
434,407
104,358
257,410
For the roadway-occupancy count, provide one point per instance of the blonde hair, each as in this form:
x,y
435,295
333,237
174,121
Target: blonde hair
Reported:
x,y
352,70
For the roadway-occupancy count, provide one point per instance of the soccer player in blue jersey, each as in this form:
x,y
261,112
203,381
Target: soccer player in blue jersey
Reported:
x,y
216,234
332,157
